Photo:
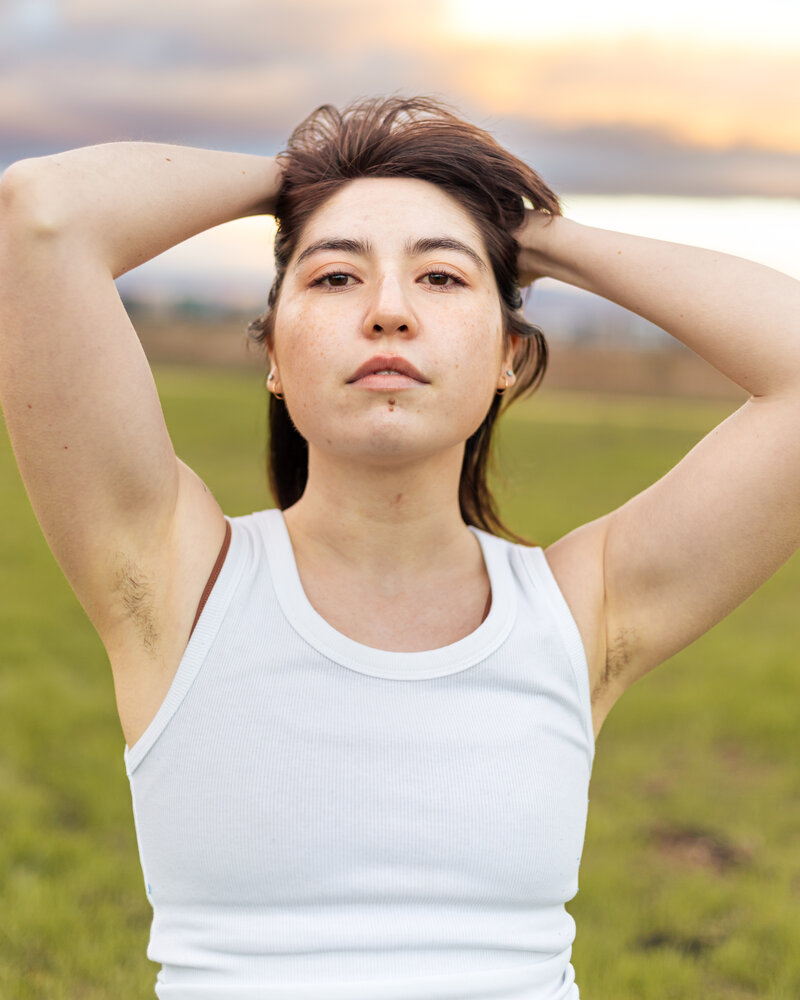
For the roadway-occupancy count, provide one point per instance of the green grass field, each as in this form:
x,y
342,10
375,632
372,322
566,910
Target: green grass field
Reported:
x,y
690,882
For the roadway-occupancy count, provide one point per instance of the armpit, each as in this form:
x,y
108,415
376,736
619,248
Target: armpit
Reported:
x,y
618,660
136,597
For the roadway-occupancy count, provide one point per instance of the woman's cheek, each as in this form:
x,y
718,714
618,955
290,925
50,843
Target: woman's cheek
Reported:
x,y
305,349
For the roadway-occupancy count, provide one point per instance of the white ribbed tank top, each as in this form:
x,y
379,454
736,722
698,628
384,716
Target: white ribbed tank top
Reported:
x,y
320,820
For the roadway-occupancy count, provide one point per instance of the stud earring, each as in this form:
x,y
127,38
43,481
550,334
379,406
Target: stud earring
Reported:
x,y
270,385
509,374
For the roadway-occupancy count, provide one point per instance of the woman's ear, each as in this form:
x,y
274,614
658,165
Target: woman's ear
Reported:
x,y
508,376
272,380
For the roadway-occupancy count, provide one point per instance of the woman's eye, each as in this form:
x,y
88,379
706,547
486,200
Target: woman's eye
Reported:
x,y
342,279
442,279
335,279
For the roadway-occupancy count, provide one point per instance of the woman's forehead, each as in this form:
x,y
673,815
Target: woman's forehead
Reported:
x,y
391,210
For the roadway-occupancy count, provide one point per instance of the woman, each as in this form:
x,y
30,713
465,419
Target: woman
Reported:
x,y
360,727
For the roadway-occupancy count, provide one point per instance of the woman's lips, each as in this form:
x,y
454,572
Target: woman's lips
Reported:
x,y
394,381
387,371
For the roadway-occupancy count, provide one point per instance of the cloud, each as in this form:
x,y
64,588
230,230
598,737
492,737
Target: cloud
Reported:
x,y
624,159
170,70
242,73
709,97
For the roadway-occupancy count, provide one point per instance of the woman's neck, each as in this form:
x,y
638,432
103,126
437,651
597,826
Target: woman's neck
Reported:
x,y
370,517
384,556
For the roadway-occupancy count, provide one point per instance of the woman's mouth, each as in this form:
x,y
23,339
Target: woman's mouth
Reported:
x,y
383,372
387,379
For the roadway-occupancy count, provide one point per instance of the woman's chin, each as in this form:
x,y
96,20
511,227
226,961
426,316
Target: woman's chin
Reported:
x,y
384,446
390,436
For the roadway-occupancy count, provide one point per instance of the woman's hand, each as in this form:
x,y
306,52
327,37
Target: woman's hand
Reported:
x,y
533,262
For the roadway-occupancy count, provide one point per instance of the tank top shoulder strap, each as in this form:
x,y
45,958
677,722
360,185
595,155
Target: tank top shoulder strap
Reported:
x,y
214,574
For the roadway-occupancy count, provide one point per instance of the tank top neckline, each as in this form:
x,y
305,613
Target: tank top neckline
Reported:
x,y
336,646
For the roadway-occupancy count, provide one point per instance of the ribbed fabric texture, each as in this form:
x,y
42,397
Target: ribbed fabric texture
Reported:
x,y
319,820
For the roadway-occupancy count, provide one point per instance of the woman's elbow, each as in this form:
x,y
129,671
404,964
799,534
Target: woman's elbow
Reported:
x,y
30,203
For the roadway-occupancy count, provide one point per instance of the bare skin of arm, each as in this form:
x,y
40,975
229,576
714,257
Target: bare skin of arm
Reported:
x,y
647,579
134,530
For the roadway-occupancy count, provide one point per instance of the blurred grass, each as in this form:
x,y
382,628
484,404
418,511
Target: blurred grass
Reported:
x,y
690,882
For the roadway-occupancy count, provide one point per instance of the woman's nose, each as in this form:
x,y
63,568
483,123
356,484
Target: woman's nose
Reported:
x,y
390,312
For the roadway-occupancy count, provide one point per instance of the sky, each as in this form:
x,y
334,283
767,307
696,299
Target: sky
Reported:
x,y
685,98
675,120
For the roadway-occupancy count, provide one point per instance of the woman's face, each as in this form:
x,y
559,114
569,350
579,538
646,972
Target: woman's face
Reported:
x,y
388,334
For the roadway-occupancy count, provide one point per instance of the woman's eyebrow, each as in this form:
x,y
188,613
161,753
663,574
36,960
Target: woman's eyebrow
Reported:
x,y
430,243
362,247
414,248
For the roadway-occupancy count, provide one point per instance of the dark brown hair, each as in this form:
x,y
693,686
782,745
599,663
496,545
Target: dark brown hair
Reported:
x,y
422,138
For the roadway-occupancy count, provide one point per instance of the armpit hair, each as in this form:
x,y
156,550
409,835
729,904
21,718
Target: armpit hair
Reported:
x,y
618,658
136,597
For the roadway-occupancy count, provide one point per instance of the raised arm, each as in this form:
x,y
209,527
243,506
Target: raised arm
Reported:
x,y
77,393
680,556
